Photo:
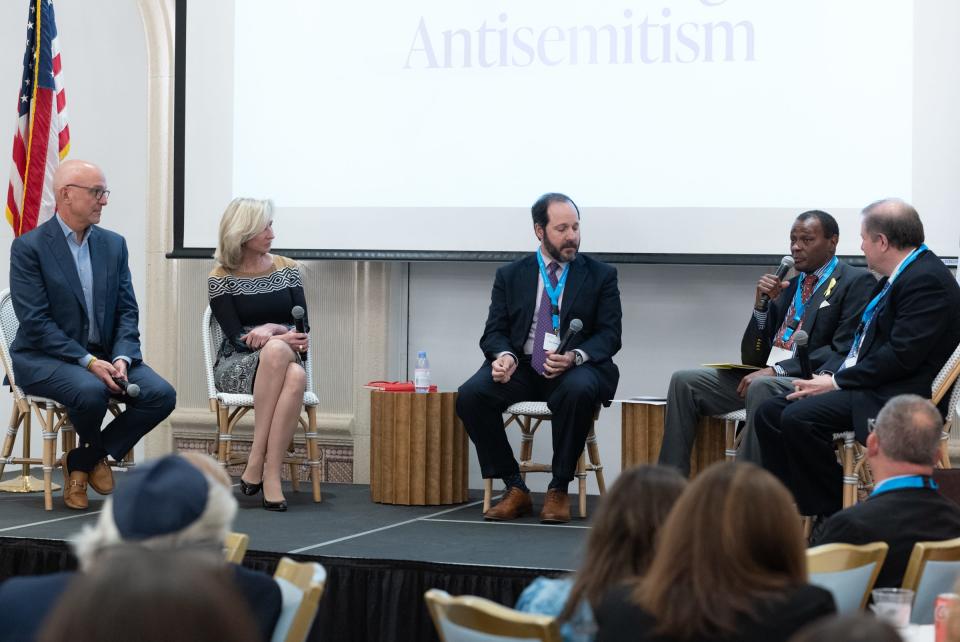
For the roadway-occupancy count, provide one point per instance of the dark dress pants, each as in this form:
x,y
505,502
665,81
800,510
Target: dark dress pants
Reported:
x,y
796,442
86,399
572,397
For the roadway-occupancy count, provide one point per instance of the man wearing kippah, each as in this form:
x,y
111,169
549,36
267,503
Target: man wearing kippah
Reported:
x,y
177,503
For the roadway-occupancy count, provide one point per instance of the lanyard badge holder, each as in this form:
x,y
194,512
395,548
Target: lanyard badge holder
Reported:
x,y
552,341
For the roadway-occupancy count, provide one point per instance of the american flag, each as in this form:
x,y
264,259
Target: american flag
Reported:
x,y
42,138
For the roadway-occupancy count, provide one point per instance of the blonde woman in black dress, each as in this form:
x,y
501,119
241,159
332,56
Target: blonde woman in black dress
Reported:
x,y
252,293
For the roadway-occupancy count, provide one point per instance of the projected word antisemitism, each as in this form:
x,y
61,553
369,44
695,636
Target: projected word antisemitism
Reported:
x,y
644,42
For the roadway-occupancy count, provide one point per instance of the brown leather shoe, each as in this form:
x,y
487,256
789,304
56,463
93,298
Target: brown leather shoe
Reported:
x,y
556,507
74,487
101,478
515,503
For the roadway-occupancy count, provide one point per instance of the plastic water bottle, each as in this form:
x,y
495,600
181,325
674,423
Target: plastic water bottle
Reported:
x,y
421,374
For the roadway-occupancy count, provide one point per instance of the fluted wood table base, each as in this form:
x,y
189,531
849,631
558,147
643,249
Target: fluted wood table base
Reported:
x,y
642,435
418,449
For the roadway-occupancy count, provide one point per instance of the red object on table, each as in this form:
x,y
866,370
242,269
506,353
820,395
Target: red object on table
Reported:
x,y
395,386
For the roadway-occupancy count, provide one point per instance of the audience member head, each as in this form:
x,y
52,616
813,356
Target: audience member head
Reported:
x,y
855,627
80,191
176,502
889,229
151,596
243,219
621,543
556,222
905,438
813,240
733,538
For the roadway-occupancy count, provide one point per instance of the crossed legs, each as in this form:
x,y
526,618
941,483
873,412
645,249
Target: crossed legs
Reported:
x,y
277,402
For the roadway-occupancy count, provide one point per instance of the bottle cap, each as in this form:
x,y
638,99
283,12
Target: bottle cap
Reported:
x,y
422,354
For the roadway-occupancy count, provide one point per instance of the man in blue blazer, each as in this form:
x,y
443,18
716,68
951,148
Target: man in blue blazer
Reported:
x,y
78,334
533,302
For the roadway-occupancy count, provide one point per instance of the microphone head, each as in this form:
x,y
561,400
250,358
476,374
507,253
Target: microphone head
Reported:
x,y
787,261
576,325
133,390
800,338
297,312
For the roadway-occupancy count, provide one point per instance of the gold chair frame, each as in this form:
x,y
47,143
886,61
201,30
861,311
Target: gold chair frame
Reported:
x,y
833,558
488,618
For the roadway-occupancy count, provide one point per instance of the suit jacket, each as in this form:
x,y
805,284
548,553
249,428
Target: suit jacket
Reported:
x,y
27,600
590,294
913,333
777,619
830,318
901,518
49,303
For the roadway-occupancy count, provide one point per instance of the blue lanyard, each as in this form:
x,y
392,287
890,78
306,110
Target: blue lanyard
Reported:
x,y
871,308
798,303
913,481
552,292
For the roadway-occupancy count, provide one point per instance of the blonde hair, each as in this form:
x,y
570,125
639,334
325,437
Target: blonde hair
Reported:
x,y
243,219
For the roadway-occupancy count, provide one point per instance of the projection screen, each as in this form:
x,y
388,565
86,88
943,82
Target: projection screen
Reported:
x,y
682,128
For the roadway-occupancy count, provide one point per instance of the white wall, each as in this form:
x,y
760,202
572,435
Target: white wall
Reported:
x,y
105,69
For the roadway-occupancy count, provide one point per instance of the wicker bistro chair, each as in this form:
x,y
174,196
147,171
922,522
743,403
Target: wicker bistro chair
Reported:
x,y
51,415
856,472
732,439
230,408
529,415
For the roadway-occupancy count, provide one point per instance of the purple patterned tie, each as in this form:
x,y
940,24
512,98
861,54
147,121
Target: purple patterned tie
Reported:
x,y
544,321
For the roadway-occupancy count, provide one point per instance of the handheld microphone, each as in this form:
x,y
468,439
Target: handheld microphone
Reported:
x,y
785,264
800,339
297,313
132,390
576,325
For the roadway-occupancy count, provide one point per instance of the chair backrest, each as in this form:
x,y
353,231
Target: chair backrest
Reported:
x,y
468,618
8,331
212,336
235,547
301,587
847,571
933,569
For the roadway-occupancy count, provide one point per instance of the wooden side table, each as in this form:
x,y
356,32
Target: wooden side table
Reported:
x,y
418,449
642,435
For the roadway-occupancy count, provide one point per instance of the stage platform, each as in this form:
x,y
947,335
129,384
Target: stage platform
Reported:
x,y
380,557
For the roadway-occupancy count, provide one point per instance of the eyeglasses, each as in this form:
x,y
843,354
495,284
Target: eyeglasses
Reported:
x,y
96,192
871,424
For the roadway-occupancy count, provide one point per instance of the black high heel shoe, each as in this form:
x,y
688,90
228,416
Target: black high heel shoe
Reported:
x,y
278,507
247,488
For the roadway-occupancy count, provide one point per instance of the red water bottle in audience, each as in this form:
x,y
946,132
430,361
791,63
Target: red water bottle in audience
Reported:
x,y
941,613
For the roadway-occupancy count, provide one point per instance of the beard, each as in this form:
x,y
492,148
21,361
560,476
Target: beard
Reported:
x,y
556,253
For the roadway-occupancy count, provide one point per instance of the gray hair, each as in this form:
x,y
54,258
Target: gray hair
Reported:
x,y
909,429
243,219
208,532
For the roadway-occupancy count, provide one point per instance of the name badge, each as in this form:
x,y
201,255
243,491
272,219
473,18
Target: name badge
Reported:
x,y
551,342
778,354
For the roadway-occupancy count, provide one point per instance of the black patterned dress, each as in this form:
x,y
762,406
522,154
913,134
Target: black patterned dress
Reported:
x,y
241,301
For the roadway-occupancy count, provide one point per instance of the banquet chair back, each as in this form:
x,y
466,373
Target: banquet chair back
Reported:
x,y
847,571
468,618
301,587
235,547
933,569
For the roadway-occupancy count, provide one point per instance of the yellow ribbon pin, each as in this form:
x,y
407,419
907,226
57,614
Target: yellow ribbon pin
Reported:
x,y
833,282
